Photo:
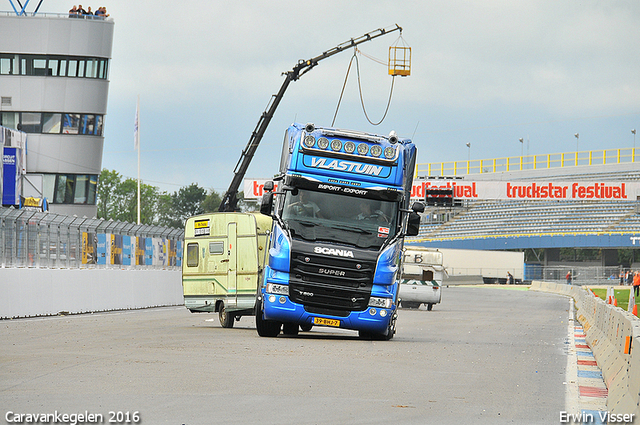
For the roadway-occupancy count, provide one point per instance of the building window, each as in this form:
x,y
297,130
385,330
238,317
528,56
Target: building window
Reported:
x,y
71,124
30,122
37,66
9,64
88,124
10,119
99,119
78,189
51,123
73,68
53,66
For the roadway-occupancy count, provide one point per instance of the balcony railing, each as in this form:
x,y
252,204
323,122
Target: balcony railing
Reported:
x,y
529,162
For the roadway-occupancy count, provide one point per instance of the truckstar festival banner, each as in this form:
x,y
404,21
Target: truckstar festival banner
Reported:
x,y
578,190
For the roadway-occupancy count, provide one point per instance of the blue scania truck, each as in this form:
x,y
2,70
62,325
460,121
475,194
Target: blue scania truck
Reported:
x,y
340,214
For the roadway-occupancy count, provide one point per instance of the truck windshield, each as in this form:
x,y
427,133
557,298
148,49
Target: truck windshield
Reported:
x,y
366,223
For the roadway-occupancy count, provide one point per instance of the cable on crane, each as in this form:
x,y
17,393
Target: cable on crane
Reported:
x,y
393,79
364,109
399,64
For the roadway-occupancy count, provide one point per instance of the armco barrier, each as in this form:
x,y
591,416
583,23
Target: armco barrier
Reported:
x,y
611,333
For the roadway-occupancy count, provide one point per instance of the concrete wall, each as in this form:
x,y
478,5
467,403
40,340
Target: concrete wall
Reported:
x,y
612,334
28,292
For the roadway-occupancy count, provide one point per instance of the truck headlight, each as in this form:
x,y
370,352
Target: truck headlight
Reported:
x,y
274,288
380,302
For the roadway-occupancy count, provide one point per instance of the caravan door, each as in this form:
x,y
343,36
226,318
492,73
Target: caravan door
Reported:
x,y
232,270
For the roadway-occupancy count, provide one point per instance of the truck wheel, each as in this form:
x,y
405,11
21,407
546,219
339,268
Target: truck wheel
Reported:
x,y
268,328
391,331
290,328
430,306
226,319
306,328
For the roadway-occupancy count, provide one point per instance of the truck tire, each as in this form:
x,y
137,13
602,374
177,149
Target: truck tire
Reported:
x,y
226,319
266,328
290,328
306,327
391,331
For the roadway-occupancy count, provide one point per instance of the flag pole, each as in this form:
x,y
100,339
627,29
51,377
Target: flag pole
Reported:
x,y
137,144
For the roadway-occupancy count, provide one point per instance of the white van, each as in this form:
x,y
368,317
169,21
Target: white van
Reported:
x,y
422,276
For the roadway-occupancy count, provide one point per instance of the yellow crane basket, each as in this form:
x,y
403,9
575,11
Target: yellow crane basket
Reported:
x,y
400,60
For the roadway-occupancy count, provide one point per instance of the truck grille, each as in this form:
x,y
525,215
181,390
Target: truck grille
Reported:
x,y
330,283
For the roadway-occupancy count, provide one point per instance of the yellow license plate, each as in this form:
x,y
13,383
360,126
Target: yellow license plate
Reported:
x,y
326,322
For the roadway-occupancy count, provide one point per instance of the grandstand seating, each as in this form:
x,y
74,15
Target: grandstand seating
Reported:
x,y
523,218
528,217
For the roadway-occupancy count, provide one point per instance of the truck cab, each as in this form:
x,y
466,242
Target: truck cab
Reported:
x,y
340,215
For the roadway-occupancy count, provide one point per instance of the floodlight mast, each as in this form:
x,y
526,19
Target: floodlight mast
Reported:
x,y
230,199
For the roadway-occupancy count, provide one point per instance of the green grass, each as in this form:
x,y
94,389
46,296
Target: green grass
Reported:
x,y
622,295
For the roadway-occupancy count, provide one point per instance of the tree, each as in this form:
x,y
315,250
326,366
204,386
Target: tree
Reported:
x,y
126,196
107,184
212,202
118,200
187,201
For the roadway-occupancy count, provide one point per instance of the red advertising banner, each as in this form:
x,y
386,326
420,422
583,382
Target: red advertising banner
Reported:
x,y
578,190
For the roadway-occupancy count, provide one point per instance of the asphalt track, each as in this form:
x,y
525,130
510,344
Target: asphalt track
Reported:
x,y
485,355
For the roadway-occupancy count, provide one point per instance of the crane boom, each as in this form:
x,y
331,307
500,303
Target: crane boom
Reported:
x,y
230,199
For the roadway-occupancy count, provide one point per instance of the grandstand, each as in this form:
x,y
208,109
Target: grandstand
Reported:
x,y
514,218
546,225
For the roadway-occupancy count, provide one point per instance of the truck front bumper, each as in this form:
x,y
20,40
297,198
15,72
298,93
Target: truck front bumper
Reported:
x,y
280,308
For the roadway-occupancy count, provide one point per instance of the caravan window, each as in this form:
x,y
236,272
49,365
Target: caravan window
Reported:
x,y
216,247
192,255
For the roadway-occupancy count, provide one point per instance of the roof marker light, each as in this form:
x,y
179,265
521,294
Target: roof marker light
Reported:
x,y
323,143
389,152
309,141
349,147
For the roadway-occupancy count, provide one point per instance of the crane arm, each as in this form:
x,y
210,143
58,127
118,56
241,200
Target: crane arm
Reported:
x,y
230,198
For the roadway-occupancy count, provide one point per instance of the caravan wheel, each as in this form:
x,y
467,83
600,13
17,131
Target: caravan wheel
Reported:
x,y
226,319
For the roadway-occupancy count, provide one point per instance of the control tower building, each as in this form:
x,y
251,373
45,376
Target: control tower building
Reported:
x,y
54,82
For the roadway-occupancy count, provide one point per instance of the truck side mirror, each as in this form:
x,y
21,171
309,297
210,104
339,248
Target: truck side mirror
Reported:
x,y
418,207
413,224
266,206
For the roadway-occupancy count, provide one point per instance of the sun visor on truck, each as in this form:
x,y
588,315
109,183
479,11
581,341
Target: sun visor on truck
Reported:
x,y
383,194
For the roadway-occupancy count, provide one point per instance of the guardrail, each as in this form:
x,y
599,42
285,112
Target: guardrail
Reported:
x,y
528,162
53,15
611,334
47,240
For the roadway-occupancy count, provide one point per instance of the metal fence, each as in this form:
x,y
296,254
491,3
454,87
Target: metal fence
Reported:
x,y
47,240
580,275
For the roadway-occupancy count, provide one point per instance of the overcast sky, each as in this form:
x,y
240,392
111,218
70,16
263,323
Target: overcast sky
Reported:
x,y
486,73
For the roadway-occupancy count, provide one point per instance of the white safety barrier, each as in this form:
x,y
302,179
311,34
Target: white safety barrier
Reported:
x,y
610,332
30,292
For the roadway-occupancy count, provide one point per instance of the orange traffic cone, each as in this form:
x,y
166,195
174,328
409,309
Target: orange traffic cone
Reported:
x,y
635,310
615,302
